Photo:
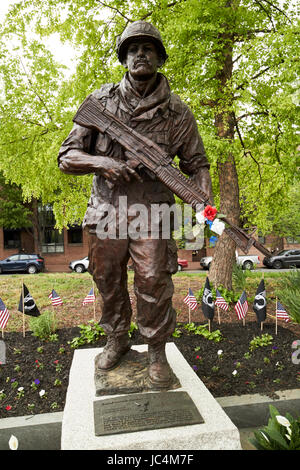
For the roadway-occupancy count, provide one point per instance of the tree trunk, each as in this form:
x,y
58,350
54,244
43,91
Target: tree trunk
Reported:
x,y
224,254
36,231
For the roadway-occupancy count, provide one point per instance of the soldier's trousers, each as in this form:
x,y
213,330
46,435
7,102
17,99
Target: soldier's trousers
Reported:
x,y
154,262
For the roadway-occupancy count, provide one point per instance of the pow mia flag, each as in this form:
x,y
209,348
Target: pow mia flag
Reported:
x,y
30,307
208,305
260,302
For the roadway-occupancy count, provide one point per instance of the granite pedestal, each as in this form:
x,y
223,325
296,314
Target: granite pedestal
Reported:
x,y
78,433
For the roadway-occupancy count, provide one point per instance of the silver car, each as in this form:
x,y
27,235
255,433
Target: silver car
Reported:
x,y
79,265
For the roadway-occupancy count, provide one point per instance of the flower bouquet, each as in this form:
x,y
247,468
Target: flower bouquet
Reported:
x,y
213,223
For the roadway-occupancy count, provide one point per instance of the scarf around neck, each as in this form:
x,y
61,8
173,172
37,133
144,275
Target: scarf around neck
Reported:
x,y
145,108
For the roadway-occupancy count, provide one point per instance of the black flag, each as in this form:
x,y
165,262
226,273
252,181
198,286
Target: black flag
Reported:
x,y
208,306
260,302
30,307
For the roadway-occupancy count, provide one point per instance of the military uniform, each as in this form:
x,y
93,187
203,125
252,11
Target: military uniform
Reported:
x,y
166,120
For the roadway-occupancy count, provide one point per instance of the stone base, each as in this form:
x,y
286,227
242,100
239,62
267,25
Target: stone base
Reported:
x,y
78,431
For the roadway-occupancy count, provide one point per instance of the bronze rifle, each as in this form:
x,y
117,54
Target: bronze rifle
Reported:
x,y
93,115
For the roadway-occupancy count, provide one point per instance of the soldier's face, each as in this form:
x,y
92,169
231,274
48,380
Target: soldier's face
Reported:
x,y
142,59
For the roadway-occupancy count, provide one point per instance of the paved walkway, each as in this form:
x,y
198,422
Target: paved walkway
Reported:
x,y
245,435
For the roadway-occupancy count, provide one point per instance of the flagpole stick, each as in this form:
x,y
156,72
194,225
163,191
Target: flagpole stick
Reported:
x,y
23,308
218,308
276,318
189,304
262,324
209,325
94,301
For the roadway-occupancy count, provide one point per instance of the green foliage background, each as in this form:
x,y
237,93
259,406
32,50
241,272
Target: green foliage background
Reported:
x,y
38,99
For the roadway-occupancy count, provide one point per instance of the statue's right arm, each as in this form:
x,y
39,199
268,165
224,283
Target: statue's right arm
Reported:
x,y
75,158
77,162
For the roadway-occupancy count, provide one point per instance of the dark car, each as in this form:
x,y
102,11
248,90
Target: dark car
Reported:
x,y
22,262
283,259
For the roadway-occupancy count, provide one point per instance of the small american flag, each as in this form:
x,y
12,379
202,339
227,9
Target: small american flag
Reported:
x,y
90,298
241,306
221,302
55,299
190,300
281,313
4,315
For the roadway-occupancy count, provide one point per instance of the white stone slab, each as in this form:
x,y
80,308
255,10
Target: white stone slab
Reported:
x,y
216,433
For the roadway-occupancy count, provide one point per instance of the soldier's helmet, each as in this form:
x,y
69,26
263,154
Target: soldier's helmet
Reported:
x,y
139,30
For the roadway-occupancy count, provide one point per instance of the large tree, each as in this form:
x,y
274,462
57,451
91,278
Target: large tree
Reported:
x,y
233,61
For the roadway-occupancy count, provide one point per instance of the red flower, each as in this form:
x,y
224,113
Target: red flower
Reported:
x,y
56,362
210,212
8,408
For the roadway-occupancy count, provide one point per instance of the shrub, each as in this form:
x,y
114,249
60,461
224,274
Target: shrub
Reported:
x,y
281,433
202,330
239,277
260,341
89,333
289,293
44,326
227,294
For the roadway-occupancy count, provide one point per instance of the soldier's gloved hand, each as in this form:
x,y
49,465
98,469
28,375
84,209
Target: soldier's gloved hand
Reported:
x,y
117,171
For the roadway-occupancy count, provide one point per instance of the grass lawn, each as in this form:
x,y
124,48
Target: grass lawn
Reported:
x,y
73,287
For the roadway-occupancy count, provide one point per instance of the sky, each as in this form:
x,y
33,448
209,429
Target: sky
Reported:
x,y
4,5
62,52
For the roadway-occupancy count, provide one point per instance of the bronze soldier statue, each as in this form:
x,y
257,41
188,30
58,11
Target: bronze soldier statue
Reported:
x,y
144,102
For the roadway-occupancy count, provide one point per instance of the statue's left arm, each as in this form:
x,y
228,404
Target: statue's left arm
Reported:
x,y
188,145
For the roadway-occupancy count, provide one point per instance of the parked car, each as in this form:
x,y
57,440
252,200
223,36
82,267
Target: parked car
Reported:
x,y
81,265
246,261
182,263
22,262
283,259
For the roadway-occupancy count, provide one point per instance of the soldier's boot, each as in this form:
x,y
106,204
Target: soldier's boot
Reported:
x,y
159,371
114,350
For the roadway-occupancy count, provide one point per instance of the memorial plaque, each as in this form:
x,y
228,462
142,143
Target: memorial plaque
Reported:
x,y
144,411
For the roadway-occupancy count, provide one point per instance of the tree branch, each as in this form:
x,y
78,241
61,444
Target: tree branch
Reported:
x,y
143,17
256,113
168,6
115,9
257,75
277,8
247,152
36,93
266,12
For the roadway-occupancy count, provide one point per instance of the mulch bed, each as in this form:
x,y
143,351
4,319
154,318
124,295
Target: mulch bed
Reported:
x,y
47,364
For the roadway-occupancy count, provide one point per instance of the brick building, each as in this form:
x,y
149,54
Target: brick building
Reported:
x,y
58,249
57,254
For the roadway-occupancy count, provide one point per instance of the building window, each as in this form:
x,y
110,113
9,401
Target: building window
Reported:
x,y
75,235
12,238
52,239
292,240
261,239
